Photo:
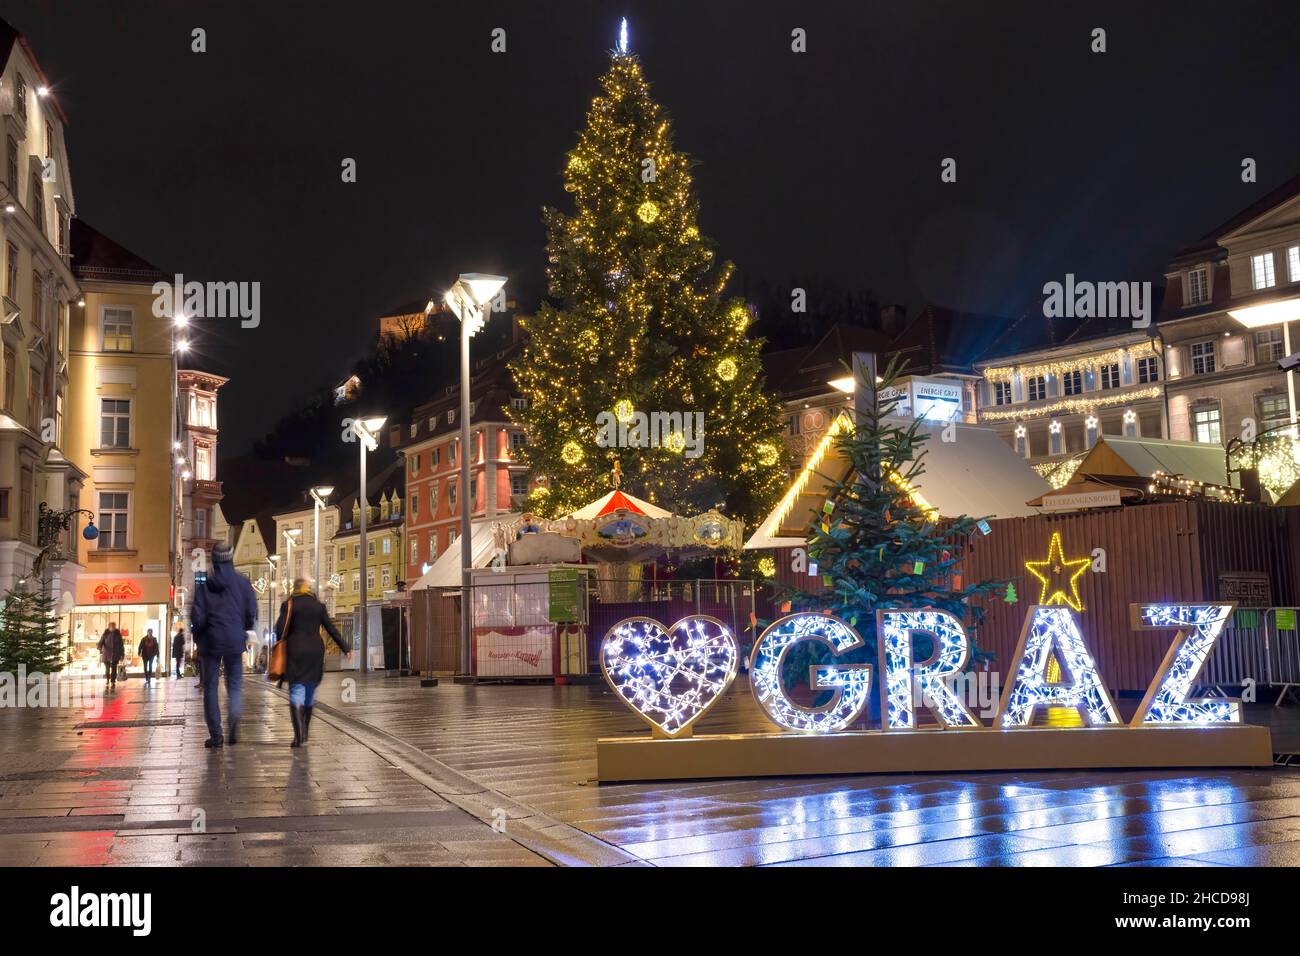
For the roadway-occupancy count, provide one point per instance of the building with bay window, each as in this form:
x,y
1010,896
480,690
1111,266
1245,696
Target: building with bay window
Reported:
x,y
120,368
200,487
37,291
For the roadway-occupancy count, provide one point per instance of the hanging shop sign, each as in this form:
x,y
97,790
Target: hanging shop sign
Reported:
x,y
671,676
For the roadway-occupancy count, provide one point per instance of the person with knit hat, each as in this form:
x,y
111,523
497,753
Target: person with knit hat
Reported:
x,y
224,610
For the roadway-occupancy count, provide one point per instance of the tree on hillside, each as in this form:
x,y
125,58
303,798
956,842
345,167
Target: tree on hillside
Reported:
x,y
641,325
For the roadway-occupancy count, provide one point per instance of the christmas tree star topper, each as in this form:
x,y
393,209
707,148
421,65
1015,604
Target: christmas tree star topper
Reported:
x,y
622,36
1059,587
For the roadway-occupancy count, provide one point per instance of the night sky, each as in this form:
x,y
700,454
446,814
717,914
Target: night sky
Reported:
x,y
226,165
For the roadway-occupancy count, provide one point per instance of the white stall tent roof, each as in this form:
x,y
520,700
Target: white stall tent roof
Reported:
x,y
976,474
446,570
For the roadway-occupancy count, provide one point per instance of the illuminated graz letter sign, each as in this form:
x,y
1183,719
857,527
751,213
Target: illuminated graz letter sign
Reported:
x,y
670,677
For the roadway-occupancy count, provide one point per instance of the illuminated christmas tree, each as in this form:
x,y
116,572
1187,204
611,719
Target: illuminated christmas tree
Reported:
x,y
641,326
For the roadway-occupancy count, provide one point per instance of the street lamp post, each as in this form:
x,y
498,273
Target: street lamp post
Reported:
x,y
470,299
271,560
318,496
367,432
290,536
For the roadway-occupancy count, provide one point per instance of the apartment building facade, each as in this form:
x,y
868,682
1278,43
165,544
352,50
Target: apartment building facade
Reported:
x,y
37,290
499,479
1053,403
122,375
1224,381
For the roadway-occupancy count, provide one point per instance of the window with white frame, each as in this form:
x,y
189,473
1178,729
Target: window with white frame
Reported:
x,y
202,463
356,581
451,494
1110,375
1206,423
518,440
370,579
1001,393
519,486
1147,370
1072,382
1268,346
433,500
415,551
113,521
1273,411
1198,286
387,577
1293,263
388,545
1202,357
200,522
1037,388
1261,271
118,335
519,404
114,423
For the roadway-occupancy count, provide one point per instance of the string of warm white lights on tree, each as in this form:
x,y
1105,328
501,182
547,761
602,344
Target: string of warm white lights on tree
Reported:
x,y
643,325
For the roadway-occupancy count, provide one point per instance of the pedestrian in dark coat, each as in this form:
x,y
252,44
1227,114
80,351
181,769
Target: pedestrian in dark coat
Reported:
x,y
111,651
148,651
178,651
305,617
224,610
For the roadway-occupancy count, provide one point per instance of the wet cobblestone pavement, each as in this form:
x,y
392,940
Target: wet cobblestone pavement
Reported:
x,y
504,775
536,744
127,787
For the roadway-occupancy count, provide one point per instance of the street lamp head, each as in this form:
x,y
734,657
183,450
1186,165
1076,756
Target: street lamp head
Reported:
x,y
374,423
1269,313
321,493
183,345
273,558
291,534
480,287
180,320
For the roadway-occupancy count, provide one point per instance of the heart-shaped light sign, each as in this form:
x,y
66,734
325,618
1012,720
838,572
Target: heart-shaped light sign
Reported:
x,y
669,677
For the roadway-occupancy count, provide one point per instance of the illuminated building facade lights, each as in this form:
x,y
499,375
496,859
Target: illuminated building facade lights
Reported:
x,y
850,683
1199,626
1070,406
669,677
1053,631
902,677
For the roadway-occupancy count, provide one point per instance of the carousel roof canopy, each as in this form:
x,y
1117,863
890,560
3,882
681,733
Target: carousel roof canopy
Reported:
x,y
977,474
616,500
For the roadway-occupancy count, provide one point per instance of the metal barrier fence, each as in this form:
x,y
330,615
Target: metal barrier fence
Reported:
x,y
1260,645
518,633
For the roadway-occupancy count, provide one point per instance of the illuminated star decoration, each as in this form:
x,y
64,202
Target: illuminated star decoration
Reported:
x,y
1053,573
1199,626
669,677
622,36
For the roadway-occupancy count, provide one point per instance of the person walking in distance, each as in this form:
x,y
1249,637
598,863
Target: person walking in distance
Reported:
x,y
148,651
111,651
224,609
299,625
178,651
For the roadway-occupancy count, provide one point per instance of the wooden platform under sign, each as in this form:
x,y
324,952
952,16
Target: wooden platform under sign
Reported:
x,y
931,751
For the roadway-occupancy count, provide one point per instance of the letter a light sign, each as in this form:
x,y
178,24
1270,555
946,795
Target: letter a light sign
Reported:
x,y
671,676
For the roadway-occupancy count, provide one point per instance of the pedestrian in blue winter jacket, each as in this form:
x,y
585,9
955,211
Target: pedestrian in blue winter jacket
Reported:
x,y
224,610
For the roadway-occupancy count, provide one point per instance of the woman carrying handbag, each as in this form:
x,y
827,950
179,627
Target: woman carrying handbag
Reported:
x,y
299,653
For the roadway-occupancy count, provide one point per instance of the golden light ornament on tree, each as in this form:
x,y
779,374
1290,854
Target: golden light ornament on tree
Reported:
x,y
571,453
623,411
767,567
675,442
648,211
767,454
726,369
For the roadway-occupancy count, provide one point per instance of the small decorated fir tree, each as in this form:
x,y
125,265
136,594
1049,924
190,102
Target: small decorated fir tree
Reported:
x,y
29,634
882,546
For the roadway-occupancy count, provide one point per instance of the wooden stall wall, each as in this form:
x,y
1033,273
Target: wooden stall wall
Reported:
x,y
1174,551
435,631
